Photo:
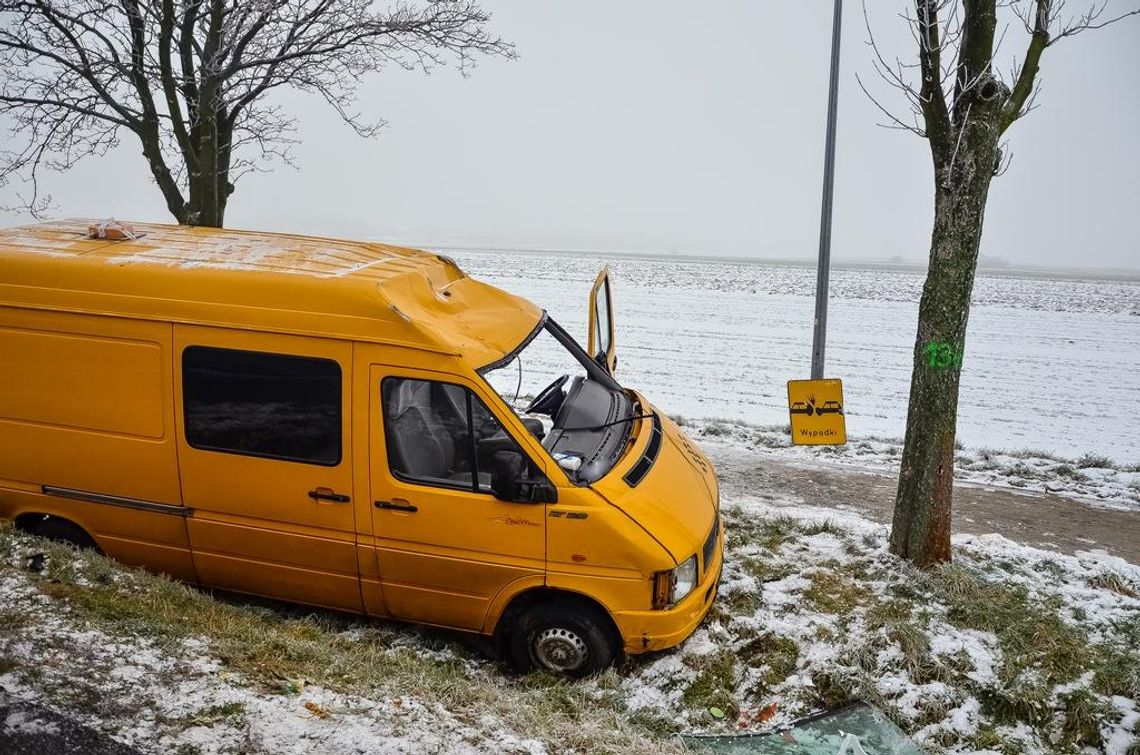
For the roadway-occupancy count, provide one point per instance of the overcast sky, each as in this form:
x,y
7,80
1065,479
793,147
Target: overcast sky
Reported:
x,y
677,127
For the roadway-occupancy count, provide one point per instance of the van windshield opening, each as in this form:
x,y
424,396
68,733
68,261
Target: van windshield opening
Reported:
x,y
570,403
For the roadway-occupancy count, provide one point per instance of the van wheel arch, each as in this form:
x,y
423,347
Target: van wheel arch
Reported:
x,y
57,528
550,602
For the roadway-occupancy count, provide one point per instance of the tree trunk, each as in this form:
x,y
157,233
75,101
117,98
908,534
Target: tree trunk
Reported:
x,y
209,185
225,152
921,528
166,183
206,199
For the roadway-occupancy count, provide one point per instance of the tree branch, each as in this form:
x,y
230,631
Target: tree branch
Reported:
x,y
932,99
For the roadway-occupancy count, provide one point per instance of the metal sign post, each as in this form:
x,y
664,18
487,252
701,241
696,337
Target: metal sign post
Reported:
x,y
824,270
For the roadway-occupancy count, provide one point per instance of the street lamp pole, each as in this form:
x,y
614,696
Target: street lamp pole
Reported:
x,y
824,270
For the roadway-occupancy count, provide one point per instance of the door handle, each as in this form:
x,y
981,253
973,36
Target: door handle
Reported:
x,y
328,494
398,505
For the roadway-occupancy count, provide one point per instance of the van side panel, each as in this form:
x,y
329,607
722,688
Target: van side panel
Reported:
x,y
86,415
256,526
47,379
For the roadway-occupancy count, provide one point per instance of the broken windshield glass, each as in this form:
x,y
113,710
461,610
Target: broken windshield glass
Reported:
x,y
851,730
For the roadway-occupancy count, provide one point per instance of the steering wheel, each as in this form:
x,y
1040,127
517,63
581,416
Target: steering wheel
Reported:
x,y
549,399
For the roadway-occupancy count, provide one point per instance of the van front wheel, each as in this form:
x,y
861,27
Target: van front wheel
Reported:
x,y
565,638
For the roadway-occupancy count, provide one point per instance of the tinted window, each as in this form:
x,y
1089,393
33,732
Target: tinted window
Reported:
x,y
428,425
272,405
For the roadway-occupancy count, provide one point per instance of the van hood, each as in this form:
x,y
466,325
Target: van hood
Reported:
x,y
676,500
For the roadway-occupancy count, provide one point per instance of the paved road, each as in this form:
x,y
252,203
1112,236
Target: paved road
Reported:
x,y
1042,520
31,730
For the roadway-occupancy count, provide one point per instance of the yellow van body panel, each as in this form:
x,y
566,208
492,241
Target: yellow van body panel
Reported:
x,y
93,338
678,500
282,283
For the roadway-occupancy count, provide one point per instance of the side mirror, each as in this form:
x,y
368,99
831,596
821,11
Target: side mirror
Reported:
x,y
510,482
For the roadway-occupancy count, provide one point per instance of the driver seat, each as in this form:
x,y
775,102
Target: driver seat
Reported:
x,y
425,430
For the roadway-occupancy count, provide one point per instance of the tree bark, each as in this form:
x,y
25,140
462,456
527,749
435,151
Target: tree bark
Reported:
x,y
921,528
208,207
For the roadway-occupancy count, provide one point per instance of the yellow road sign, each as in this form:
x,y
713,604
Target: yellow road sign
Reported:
x,y
816,409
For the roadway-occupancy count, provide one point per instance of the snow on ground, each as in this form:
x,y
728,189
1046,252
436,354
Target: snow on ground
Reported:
x,y
1092,479
813,608
161,698
1051,364
1011,649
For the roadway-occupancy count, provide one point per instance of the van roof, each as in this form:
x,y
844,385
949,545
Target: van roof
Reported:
x,y
278,282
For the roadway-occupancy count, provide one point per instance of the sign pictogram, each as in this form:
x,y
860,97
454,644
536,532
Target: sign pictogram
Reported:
x,y
816,409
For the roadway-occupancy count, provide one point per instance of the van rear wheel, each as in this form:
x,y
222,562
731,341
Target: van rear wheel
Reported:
x,y
567,638
63,531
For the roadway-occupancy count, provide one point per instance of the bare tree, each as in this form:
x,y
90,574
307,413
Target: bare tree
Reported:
x,y
961,105
193,79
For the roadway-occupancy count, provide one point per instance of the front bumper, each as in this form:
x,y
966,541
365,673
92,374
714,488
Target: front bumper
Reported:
x,y
646,631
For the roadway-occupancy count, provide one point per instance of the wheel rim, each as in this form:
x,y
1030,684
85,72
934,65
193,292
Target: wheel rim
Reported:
x,y
561,650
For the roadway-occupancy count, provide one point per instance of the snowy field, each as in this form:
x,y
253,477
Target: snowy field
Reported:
x,y
1051,365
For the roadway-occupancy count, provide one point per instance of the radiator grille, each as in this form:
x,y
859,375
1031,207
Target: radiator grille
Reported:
x,y
710,544
638,471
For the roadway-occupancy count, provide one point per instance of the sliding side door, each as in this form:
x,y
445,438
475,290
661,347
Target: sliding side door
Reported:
x,y
263,446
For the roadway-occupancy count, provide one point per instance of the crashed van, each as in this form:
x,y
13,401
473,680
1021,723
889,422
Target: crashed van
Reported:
x,y
348,425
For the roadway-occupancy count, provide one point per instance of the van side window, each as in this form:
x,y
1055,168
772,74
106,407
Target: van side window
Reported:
x,y
277,406
427,428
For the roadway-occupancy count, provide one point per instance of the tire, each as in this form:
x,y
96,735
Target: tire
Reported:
x,y
564,637
63,531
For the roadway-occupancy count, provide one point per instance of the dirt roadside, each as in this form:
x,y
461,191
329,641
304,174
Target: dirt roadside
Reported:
x,y
1039,519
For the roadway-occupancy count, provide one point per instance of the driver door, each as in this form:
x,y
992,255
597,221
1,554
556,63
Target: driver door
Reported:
x,y
446,546
601,338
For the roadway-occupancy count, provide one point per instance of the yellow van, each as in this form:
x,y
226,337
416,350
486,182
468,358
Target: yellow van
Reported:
x,y
348,425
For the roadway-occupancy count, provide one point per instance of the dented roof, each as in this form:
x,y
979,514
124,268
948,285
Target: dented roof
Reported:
x,y
271,281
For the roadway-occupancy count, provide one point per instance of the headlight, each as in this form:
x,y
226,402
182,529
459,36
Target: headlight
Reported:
x,y
684,579
670,587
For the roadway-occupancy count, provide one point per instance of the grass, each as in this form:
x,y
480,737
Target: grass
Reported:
x,y
823,527
1024,471
275,648
1083,715
1090,460
835,593
766,569
1040,649
14,618
214,714
1068,470
767,534
776,655
1031,633
987,738
1030,453
714,685
771,440
886,612
1116,672
1114,582
717,429
1039,652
